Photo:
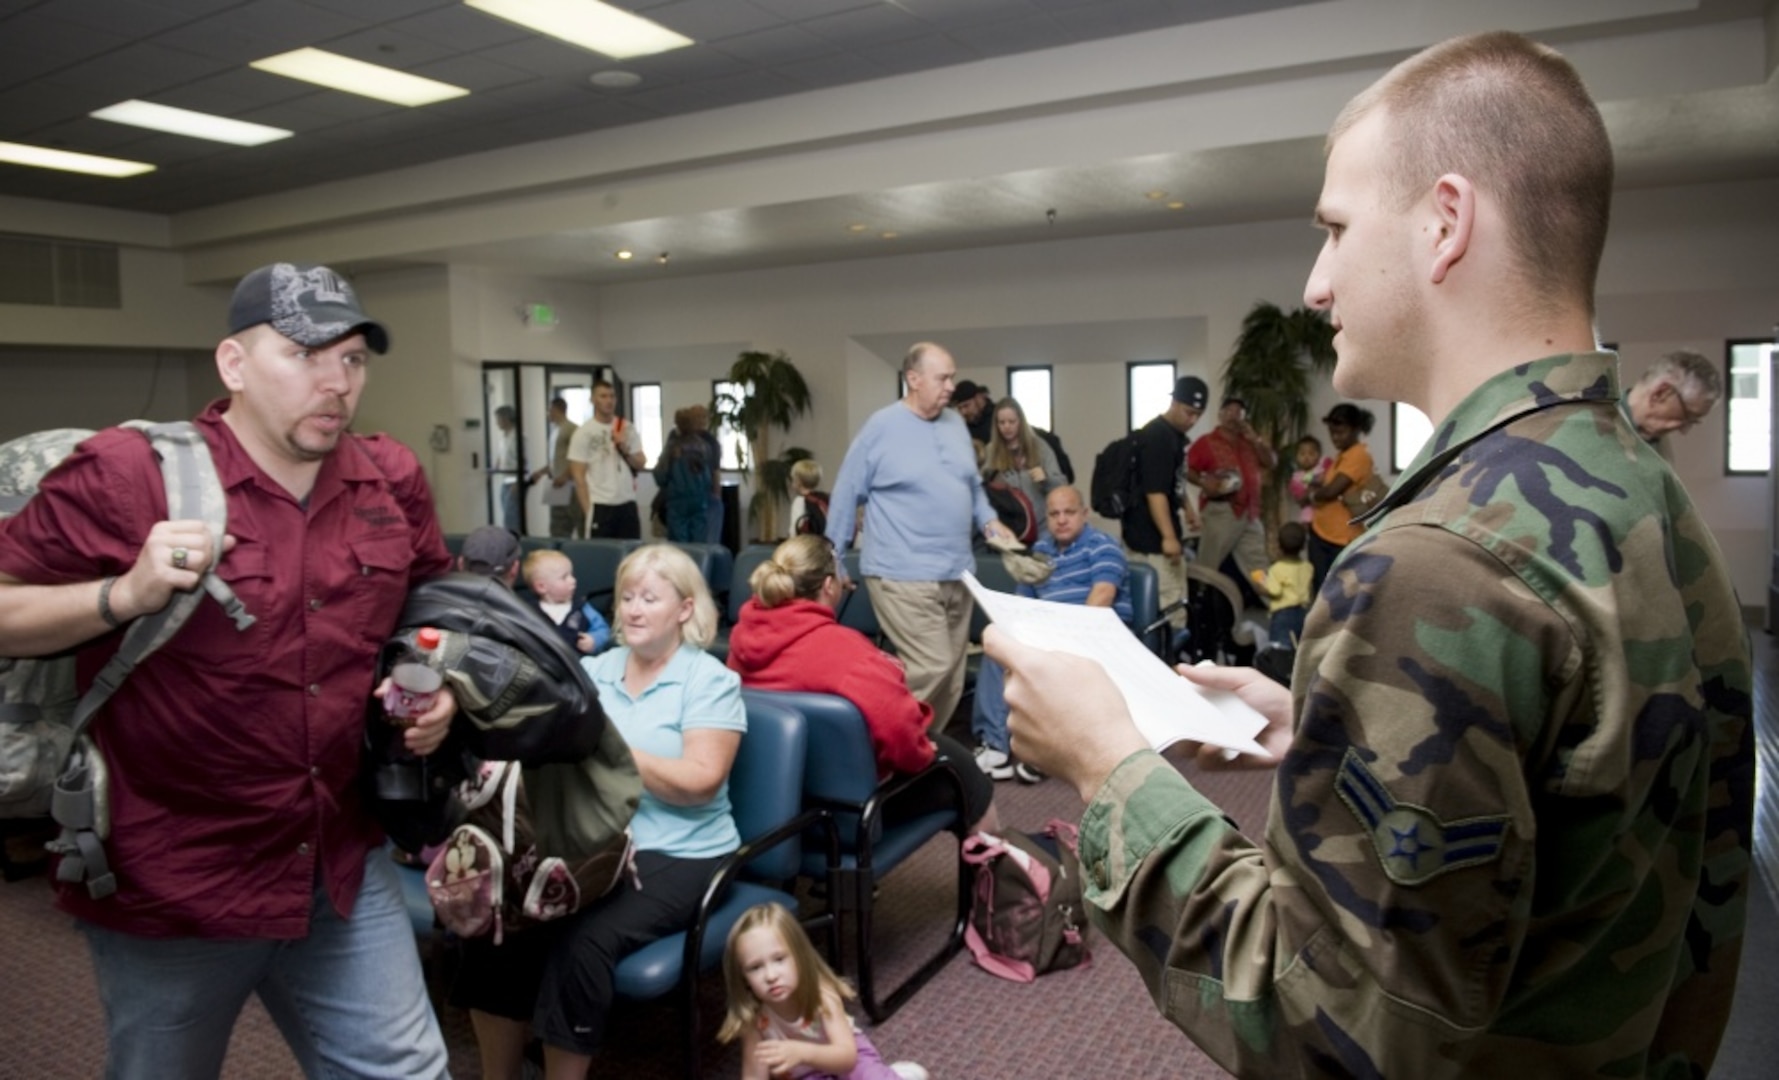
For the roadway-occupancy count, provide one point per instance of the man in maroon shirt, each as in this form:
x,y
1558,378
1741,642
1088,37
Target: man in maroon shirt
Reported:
x,y
1228,465
245,859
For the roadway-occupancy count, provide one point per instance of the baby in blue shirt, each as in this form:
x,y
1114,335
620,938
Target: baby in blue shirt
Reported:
x,y
551,577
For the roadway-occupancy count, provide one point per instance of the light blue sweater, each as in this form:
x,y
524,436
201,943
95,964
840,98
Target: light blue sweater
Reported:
x,y
918,483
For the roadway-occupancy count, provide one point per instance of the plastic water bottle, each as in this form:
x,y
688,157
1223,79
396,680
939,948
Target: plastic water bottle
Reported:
x,y
415,683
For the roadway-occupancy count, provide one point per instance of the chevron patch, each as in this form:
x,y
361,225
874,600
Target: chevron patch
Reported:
x,y
1413,844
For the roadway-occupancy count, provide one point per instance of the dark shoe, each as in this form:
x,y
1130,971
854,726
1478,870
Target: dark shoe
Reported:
x,y
1026,774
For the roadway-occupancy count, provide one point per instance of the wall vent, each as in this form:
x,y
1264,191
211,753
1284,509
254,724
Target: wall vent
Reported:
x,y
58,273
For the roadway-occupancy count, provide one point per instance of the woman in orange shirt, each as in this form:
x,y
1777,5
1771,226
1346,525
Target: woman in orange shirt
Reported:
x,y
1331,526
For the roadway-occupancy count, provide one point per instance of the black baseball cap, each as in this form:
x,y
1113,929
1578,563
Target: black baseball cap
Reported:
x,y
310,305
490,550
1191,390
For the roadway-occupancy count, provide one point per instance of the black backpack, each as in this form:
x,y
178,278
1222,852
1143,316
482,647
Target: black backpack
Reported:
x,y
1113,489
521,692
815,515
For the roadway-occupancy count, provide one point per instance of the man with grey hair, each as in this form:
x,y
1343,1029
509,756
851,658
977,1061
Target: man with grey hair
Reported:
x,y
914,471
1675,393
246,861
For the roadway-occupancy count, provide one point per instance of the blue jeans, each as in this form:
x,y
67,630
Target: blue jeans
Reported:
x,y
348,998
988,716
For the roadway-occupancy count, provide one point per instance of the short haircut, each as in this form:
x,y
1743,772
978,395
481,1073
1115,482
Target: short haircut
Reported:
x,y
1312,441
915,354
535,562
1687,370
559,403
807,473
1514,118
1350,415
1292,537
604,384
677,569
504,412
795,572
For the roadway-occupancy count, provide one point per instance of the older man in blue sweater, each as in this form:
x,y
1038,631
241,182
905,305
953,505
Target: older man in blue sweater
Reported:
x,y
913,469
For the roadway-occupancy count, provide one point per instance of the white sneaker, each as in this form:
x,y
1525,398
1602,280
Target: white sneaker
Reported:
x,y
995,764
908,1070
1026,774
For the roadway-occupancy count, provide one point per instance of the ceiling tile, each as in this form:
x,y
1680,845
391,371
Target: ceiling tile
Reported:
x,y
389,47
262,28
546,57
234,91
716,93
835,69
1012,36
713,20
946,14
917,54
385,10
31,46
779,45
683,65
114,16
462,28
809,9
867,26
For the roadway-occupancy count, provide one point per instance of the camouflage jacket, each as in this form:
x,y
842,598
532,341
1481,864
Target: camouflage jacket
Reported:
x,y
1511,835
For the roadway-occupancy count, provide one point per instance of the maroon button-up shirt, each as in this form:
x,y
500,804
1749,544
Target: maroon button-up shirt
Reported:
x,y
234,755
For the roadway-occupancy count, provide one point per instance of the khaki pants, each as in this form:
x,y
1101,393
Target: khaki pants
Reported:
x,y
1225,534
929,623
1170,578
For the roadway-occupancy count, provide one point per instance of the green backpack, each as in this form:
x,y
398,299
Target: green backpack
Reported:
x,y
47,760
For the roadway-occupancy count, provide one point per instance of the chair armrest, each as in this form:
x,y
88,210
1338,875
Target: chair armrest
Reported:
x,y
736,860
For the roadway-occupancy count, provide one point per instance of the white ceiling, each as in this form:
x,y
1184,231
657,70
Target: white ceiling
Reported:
x,y
792,123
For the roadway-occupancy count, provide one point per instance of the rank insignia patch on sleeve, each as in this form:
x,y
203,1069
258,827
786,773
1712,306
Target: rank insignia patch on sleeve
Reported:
x,y
1413,844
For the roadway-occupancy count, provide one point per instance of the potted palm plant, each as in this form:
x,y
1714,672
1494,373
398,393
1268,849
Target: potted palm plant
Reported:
x,y
772,394
1275,358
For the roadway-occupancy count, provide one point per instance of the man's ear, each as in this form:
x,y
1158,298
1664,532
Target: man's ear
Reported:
x,y
230,354
1454,212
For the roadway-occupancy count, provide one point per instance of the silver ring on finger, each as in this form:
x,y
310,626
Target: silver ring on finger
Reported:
x,y
179,557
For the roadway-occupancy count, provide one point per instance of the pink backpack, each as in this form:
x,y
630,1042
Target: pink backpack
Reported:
x,y
1027,917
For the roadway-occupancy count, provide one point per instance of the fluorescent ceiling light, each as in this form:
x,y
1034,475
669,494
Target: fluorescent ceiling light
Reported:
x,y
357,77
185,122
589,24
43,158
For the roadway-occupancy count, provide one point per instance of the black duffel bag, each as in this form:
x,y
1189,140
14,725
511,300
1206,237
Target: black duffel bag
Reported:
x,y
521,693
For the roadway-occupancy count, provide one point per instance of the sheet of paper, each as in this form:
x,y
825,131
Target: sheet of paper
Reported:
x,y
1165,707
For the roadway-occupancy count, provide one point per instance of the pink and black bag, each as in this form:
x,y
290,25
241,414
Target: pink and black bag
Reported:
x,y
1027,917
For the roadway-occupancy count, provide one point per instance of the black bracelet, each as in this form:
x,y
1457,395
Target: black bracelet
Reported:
x,y
105,611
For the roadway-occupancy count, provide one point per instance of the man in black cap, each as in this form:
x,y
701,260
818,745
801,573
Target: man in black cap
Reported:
x,y
1152,528
492,551
971,400
245,859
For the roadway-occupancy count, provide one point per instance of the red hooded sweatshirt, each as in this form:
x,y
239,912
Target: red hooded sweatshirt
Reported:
x,y
798,646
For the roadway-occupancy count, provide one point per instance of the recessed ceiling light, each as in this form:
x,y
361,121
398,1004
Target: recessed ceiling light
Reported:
x,y
889,234
625,254
198,125
1176,205
589,24
357,77
44,158
855,228
614,80
662,258
1155,196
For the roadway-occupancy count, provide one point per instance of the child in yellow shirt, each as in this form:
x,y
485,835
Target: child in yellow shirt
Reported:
x,y
1286,585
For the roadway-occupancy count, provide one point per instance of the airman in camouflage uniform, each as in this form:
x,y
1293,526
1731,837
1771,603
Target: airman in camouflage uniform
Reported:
x,y
1511,824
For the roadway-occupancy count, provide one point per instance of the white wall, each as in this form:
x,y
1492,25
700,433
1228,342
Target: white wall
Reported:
x,y
1687,267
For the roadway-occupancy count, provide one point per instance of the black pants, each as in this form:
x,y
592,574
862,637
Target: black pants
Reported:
x,y
560,975
1322,555
618,521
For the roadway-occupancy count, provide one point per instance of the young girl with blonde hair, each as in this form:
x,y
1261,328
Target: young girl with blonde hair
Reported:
x,y
789,1008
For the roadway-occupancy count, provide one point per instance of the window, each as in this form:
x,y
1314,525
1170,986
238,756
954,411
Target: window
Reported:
x,y
1031,387
1149,386
1409,431
734,444
645,413
1748,407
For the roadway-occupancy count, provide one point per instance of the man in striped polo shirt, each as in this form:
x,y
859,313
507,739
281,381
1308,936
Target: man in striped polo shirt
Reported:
x,y
1087,567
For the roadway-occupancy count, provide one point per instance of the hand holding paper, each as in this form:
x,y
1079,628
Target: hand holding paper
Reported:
x,y
1164,707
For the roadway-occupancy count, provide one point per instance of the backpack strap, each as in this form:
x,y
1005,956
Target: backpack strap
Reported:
x,y
79,803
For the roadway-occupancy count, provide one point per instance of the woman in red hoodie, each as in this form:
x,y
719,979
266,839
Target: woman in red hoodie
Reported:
x,y
788,639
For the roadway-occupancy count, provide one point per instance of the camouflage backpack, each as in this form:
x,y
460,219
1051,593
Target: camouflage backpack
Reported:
x,y
47,761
